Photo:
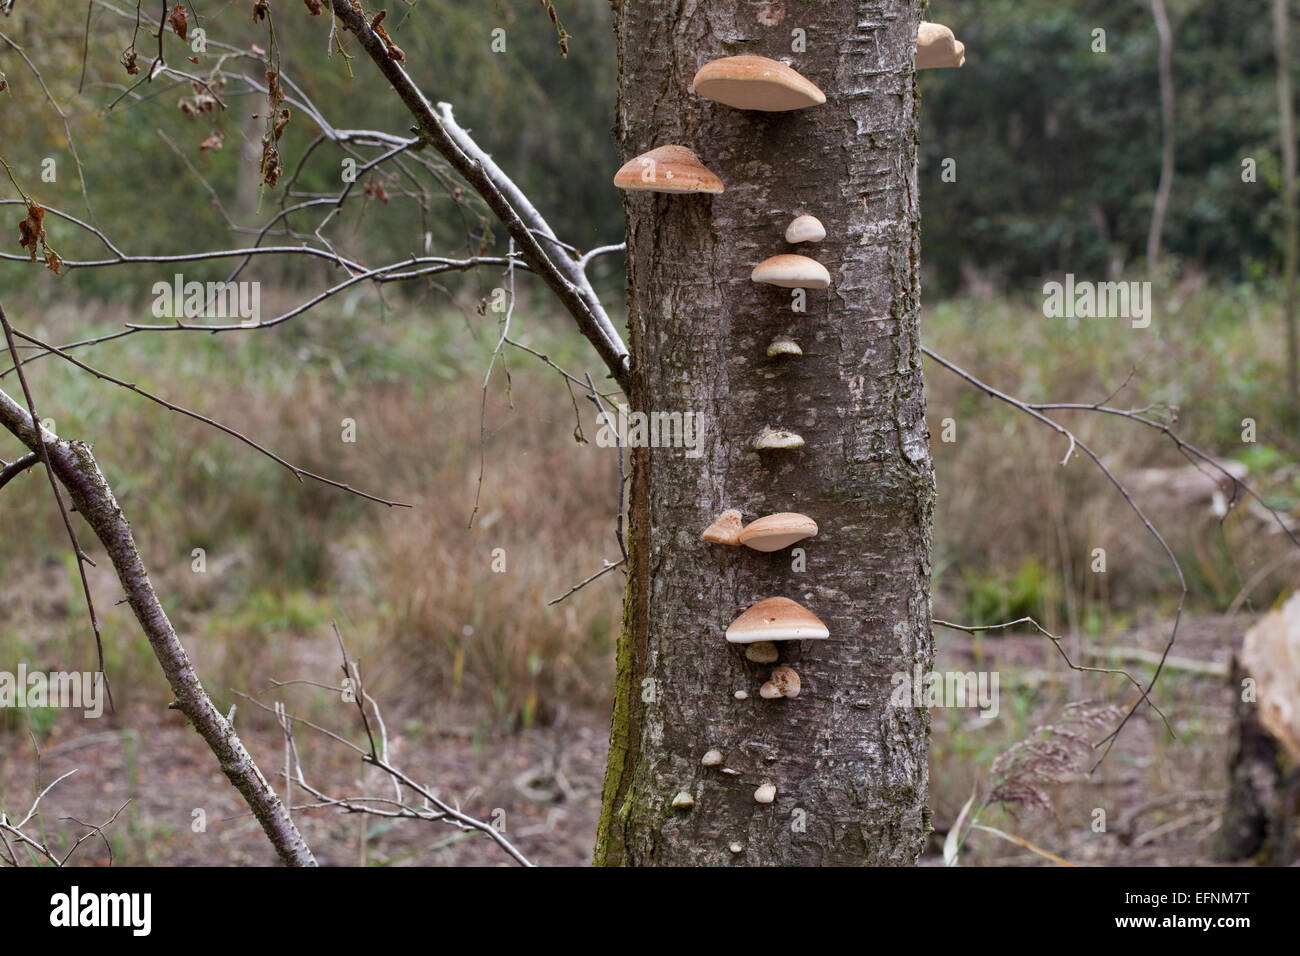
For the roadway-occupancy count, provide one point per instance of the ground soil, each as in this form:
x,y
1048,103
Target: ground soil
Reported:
x,y
1163,795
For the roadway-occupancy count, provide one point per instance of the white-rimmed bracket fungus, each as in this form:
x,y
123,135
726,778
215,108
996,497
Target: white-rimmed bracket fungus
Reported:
x,y
683,801
667,169
725,529
765,794
762,652
777,439
783,345
776,619
756,83
936,47
711,758
805,229
790,271
783,682
774,532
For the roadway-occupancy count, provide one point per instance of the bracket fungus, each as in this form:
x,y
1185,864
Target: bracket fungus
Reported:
x,y
777,439
683,801
776,619
711,758
765,794
783,345
805,229
936,47
762,652
783,682
790,271
778,531
725,529
667,169
756,83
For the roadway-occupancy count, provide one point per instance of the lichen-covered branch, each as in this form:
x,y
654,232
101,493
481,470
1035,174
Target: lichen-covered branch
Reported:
x,y
557,269
74,466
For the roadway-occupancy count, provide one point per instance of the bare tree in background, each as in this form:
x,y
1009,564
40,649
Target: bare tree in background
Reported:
x,y
1286,135
1167,133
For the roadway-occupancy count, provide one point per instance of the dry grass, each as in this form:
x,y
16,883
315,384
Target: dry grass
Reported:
x,y
1014,527
414,589
416,592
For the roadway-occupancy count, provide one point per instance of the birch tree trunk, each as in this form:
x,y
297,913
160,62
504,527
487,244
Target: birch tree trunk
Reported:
x,y
849,768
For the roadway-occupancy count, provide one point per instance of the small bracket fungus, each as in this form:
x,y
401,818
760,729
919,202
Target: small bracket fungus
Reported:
x,y
765,794
778,531
761,652
712,758
736,848
777,439
776,619
936,47
683,801
784,682
668,169
805,229
783,345
725,529
756,83
792,272
740,695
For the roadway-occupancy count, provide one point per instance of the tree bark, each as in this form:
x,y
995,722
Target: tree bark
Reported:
x,y
1253,780
849,769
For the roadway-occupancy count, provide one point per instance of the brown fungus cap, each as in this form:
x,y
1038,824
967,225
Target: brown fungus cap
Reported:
x,y
756,83
778,531
725,529
805,229
784,682
777,439
776,619
783,345
792,272
936,47
667,169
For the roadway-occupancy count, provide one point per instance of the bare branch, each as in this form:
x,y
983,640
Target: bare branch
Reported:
x,y
299,473
13,830
15,468
989,390
1191,452
560,272
82,558
1056,642
434,809
585,581
75,466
